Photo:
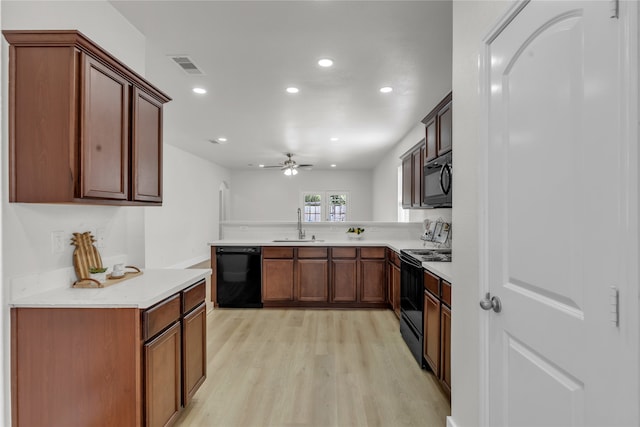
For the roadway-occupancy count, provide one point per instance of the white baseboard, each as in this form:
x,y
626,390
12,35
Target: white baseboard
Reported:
x,y
451,423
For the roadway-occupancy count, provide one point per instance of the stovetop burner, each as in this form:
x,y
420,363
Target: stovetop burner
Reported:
x,y
429,255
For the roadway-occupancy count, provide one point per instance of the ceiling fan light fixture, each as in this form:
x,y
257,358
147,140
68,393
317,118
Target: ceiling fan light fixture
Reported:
x,y
290,171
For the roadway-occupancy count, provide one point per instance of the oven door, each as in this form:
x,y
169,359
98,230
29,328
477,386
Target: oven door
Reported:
x,y
411,292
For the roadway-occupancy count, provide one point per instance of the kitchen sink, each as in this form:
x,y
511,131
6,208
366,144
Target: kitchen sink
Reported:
x,y
297,240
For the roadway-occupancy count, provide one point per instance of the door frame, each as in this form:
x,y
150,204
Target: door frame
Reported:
x,y
629,16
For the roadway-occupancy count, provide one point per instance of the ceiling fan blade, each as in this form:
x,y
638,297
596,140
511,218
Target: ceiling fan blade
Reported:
x,y
304,166
271,166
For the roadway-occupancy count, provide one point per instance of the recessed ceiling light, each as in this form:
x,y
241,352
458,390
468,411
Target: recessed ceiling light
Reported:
x,y
333,165
199,90
260,166
293,90
334,139
325,62
222,139
386,89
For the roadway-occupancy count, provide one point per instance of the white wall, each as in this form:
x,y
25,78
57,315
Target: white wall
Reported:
x,y
471,23
177,234
139,234
269,195
26,228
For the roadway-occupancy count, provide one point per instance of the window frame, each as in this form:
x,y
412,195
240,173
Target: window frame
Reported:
x,y
324,204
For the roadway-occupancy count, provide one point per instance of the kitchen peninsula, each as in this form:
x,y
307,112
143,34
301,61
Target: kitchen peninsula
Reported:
x,y
332,255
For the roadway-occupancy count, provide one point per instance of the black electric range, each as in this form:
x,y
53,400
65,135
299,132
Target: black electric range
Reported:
x,y
412,295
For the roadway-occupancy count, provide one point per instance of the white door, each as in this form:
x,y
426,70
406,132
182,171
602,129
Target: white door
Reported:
x,y
556,205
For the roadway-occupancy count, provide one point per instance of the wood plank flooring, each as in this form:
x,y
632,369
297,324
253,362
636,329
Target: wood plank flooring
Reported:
x,y
312,368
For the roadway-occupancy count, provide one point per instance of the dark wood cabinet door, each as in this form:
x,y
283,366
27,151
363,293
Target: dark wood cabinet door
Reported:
x,y
194,351
430,140
313,280
344,280
277,280
372,280
146,162
445,353
396,290
407,181
162,368
445,117
104,133
418,163
431,330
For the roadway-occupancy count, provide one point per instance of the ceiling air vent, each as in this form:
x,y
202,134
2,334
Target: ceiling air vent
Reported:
x,y
187,65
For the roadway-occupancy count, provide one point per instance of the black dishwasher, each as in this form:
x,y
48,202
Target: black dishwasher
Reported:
x,y
239,277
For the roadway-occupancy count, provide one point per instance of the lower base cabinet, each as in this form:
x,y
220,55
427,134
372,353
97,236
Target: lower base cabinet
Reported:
x,y
445,344
113,366
437,328
163,378
194,352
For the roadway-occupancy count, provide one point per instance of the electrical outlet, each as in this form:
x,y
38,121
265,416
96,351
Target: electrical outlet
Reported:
x,y
58,242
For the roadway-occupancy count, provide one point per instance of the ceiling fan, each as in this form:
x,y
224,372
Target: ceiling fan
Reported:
x,y
289,166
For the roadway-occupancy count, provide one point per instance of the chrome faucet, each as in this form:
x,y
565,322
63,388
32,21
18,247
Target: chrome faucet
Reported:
x,y
301,233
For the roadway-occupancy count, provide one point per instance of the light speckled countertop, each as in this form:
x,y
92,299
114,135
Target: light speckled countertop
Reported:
x,y
139,292
440,269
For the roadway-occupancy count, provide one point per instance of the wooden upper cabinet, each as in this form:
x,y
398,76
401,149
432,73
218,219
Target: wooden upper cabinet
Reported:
x,y
104,132
412,176
438,128
445,124
83,127
430,139
407,182
146,167
418,164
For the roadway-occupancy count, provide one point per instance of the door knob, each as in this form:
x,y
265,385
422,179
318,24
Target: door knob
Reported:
x,y
489,303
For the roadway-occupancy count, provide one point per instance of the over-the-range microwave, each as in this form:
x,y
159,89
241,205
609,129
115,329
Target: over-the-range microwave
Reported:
x,y
438,177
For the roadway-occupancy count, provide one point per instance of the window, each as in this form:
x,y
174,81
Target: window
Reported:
x,y
332,206
312,208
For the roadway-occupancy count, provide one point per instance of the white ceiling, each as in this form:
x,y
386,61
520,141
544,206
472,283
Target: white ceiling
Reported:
x,y
251,51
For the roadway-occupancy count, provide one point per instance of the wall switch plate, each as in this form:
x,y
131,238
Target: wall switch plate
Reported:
x,y
58,242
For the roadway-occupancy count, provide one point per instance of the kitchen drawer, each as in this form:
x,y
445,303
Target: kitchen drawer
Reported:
x,y
277,252
446,293
369,253
193,296
343,252
161,315
432,283
312,252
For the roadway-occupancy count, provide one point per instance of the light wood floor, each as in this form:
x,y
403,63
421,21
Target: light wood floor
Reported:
x,y
312,368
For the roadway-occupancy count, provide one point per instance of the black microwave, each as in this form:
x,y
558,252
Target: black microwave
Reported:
x,y
438,177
